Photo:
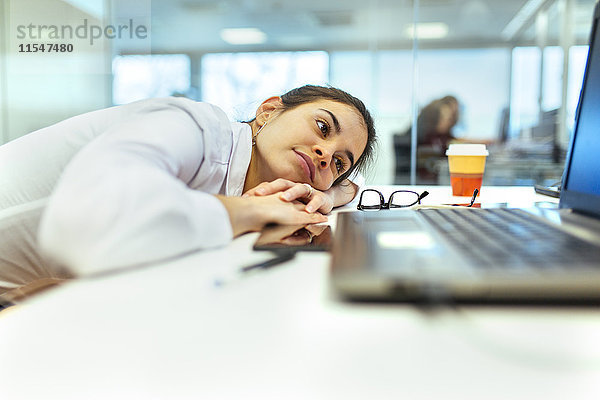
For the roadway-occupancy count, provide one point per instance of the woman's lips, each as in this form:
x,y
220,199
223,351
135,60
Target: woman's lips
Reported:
x,y
306,164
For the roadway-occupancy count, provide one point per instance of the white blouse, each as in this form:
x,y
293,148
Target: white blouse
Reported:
x,y
140,178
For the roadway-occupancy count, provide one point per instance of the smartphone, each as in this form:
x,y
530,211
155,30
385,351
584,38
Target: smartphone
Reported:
x,y
552,191
311,237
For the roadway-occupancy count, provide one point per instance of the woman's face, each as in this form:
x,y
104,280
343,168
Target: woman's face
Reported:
x,y
312,143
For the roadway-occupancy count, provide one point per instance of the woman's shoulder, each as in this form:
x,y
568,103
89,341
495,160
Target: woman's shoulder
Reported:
x,y
195,109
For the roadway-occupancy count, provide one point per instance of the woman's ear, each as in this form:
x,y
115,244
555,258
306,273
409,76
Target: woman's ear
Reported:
x,y
267,109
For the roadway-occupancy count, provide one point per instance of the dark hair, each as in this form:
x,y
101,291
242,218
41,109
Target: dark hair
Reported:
x,y
309,93
448,99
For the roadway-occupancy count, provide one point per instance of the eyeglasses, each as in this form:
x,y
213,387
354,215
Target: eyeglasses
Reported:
x,y
371,199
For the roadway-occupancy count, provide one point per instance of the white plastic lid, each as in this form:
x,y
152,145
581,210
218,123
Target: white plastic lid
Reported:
x,y
467,150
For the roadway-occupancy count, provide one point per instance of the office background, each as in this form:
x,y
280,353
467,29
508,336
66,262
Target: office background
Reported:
x,y
514,65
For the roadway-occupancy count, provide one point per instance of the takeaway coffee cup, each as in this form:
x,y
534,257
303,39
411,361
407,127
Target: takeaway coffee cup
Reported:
x,y
466,163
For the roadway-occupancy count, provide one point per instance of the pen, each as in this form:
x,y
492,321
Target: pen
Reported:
x,y
279,259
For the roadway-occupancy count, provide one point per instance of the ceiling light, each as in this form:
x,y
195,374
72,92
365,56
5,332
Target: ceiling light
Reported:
x,y
427,30
243,36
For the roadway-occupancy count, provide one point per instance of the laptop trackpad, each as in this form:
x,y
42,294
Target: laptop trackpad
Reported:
x,y
404,246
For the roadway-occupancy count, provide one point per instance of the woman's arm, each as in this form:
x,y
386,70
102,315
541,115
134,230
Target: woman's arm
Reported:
x,y
124,199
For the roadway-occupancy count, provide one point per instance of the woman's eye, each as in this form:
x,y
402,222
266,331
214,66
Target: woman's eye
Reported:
x,y
323,127
339,165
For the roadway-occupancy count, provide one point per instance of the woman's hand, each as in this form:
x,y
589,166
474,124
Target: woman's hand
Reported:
x,y
252,213
314,199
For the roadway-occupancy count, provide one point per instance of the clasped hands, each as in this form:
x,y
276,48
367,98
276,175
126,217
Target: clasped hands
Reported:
x,y
314,200
283,202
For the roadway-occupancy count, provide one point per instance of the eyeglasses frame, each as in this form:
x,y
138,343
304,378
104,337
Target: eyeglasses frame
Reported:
x,y
383,205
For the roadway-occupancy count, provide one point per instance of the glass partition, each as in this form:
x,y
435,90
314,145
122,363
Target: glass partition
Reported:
x,y
238,82
137,77
504,73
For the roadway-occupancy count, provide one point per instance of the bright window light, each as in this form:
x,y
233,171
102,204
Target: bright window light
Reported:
x,y
428,30
238,82
137,77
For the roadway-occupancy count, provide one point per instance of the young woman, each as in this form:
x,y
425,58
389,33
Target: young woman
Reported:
x,y
157,178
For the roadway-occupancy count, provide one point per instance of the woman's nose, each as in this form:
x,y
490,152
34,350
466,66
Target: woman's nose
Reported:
x,y
323,156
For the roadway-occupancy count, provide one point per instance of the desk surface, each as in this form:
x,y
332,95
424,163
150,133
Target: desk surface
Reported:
x,y
168,331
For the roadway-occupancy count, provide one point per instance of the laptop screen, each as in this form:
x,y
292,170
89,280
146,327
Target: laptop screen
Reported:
x,y
581,180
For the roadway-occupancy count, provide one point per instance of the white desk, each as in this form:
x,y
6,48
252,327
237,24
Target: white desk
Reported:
x,y
167,331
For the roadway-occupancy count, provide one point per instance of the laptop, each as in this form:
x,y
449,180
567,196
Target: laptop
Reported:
x,y
486,255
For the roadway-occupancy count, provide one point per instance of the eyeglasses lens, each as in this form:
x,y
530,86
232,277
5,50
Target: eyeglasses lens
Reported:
x,y
371,200
403,199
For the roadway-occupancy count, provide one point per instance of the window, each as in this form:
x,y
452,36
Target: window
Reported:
x,y
139,77
524,104
238,82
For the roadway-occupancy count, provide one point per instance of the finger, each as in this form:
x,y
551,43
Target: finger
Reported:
x,y
298,191
252,192
267,188
316,218
288,213
321,203
255,191
302,217
315,204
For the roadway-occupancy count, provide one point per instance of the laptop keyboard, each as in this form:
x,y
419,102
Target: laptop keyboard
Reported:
x,y
511,238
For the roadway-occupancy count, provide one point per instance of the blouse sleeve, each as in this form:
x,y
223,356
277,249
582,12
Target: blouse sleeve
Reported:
x,y
123,199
